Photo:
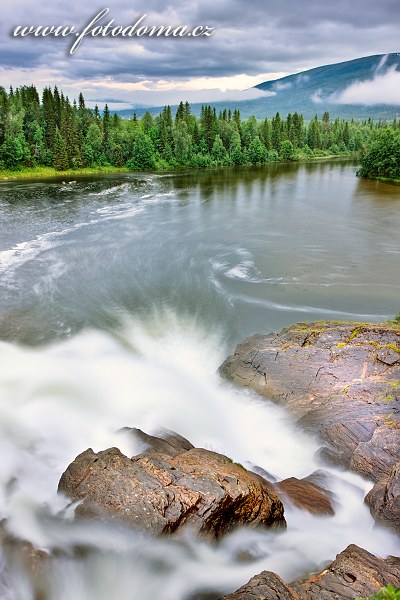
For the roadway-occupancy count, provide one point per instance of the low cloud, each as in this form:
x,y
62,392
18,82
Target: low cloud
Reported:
x,y
382,89
282,86
302,78
317,97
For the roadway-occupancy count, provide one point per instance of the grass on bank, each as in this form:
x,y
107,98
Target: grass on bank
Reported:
x,y
37,172
41,171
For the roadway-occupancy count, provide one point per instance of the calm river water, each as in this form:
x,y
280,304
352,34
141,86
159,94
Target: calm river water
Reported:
x,y
119,298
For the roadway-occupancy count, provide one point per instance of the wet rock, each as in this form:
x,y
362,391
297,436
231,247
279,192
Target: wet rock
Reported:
x,y
13,546
374,458
384,499
262,473
20,559
341,380
266,586
306,494
355,572
167,442
160,493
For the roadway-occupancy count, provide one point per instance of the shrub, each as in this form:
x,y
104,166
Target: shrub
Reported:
x,y
386,593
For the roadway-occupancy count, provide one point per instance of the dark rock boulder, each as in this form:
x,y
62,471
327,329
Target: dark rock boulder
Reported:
x,y
341,380
307,494
160,493
354,572
384,499
265,586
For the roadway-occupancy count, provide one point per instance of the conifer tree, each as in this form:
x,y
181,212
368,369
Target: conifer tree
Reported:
x,y
276,125
60,156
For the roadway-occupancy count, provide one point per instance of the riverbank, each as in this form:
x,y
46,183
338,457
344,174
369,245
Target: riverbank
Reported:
x,y
47,172
384,180
50,172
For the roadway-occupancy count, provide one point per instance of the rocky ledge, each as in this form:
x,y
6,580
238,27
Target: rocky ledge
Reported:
x,y
170,485
355,572
341,381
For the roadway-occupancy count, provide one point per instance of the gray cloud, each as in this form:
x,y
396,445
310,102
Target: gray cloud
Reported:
x,y
253,37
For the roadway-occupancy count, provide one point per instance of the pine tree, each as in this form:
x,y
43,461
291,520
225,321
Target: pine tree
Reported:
x,y
147,122
49,118
314,134
60,156
180,113
106,130
266,134
209,126
3,112
276,132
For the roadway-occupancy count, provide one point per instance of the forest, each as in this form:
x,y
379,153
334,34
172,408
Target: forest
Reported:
x,y
52,131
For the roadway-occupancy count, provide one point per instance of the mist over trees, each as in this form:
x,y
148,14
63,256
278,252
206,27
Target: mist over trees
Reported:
x,y
51,131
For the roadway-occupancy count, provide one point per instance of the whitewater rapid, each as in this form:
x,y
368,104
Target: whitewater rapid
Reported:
x,y
59,400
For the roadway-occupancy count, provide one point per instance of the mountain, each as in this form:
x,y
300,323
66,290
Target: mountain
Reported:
x,y
327,88
324,88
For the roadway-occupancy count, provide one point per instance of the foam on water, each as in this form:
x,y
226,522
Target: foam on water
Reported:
x,y
58,400
23,252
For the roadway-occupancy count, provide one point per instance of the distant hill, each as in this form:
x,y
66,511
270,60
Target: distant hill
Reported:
x,y
318,89
313,92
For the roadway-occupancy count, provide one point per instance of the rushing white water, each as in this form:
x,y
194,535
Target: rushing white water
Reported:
x,y
59,400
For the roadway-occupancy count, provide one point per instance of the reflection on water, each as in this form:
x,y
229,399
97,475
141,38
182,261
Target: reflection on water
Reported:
x,y
243,249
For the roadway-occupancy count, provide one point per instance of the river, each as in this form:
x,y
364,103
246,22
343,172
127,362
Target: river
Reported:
x,y
119,298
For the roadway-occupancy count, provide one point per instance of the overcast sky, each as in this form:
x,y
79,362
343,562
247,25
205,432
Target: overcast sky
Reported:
x,y
254,40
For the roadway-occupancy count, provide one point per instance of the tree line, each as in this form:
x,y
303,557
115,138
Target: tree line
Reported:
x,y
51,131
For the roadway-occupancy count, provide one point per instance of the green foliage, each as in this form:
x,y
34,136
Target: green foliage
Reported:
x,y
218,152
54,132
237,155
287,151
386,593
257,152
383,157
61,162
314,136
143,157
182,143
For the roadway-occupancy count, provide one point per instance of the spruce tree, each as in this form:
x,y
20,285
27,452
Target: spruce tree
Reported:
x,y
60,156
